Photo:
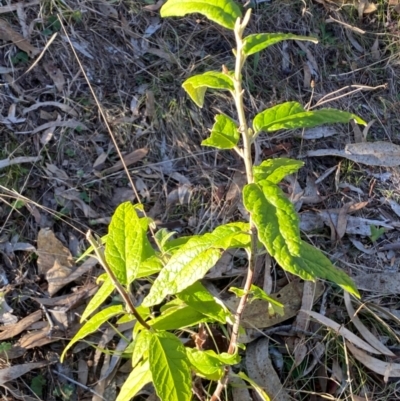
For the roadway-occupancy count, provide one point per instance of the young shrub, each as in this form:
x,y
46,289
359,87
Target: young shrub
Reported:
x,y
157,354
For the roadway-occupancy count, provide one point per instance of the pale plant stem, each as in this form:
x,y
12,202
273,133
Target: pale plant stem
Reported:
x,y
246,154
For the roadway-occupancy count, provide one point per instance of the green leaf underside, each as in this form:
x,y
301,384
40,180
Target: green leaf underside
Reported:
x,y
262,394
178,317
93,324
197,85
274,170
291,115
124,243
260,41
193,260
223,12
141,346
224,133
170,367
136,380
200,299
101,295
279,236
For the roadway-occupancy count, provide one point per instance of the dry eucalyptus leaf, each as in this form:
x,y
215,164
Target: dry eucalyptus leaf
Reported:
x,y
9,35
17,328
260,369
382,283
129,159
13,372
19,160
339,329
375,53
6,316
379,153
64,107
256,313
365,333
385,369
50,249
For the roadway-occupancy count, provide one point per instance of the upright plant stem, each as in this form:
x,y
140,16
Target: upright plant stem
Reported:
x,y
248,161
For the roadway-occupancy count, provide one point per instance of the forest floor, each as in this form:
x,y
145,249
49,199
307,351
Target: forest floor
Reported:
x,y
80,80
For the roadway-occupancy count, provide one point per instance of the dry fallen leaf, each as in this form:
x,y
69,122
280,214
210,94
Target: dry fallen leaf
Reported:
x,y
9,35
50,249
339,329
261,370
64,107
385,369
13,372
17,328
366,334
256,313
379,153
375,53
56,277
56,75
129,159
382,283
19,160
6,316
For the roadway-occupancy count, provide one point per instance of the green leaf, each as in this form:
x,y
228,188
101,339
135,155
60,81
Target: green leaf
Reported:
x,y
274,306
101,295
178,317
196,86
260,41
209,364
124,243
137,379
263,395
291,115
170,368
278,229
149,267
257,293
376,232
200,299
163,236
280,223
93,324
224,133
223,12
193,260
274,170
141,346
88,251
37,384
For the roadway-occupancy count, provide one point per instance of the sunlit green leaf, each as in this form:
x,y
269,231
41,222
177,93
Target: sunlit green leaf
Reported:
x,y
193,260
277,225
200,299
224,133
196,86
137,379
178,317
291,115
149,267
93,324
141,346
223,12
101,295
170,367
124,243
274,170
259,41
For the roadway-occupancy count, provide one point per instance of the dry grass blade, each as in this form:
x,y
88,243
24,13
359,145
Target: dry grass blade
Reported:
x,y
367,335
346,333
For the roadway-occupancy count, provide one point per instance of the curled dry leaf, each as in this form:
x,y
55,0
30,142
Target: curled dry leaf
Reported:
x,y
384,154
366,334
8,34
